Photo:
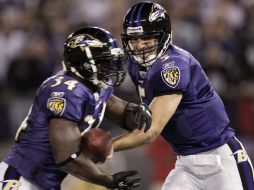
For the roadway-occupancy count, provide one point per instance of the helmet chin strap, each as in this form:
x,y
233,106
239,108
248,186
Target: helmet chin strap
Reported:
x,y
146,62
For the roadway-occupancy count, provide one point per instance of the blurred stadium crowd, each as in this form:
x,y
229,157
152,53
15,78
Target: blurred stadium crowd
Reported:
x,y
220,33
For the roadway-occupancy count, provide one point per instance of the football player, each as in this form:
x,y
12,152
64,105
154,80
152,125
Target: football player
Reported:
x,y
65,106
186,110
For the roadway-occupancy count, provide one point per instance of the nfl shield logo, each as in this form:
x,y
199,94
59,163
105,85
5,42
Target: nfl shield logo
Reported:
x,y
171,76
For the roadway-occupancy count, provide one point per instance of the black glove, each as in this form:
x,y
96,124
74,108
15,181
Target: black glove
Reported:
x,y
125,181
142,116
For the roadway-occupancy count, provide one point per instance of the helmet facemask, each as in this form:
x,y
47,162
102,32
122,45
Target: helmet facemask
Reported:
x,y
145,56
102,71
110,70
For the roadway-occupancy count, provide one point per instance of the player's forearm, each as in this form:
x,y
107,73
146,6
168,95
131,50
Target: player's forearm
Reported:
x,y
85,169
129,116
115,110
133,139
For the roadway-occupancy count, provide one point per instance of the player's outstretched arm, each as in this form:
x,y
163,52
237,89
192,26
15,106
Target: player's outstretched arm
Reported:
x,y
129,116
162,107
65,145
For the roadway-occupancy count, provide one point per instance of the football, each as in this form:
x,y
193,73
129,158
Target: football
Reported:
x,y
96,144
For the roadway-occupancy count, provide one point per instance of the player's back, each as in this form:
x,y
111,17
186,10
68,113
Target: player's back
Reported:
x,y
59,96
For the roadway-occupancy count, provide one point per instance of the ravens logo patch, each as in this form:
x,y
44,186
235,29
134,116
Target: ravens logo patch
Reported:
x,y
56,105
171,76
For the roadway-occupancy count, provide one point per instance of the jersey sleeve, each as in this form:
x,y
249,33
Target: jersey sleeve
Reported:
x,y
69,107
63,103
171,77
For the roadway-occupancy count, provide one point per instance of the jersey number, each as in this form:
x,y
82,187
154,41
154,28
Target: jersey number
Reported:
x,y
71,84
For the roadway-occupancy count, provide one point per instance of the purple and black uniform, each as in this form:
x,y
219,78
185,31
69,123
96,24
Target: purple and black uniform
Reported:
x,y
60,96
200,122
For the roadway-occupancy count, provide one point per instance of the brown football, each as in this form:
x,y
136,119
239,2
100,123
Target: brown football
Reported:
x,y
96,144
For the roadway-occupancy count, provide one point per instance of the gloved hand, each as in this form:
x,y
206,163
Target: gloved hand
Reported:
x,y
142,116
124,181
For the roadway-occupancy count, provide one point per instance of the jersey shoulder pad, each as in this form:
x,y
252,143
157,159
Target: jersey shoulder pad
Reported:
x,y
170,73
180,51
64,83
63,96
